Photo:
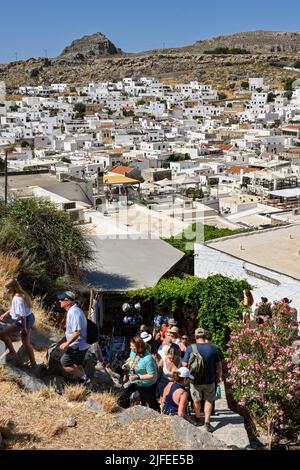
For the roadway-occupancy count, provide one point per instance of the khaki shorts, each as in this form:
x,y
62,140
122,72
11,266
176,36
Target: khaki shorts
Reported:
x,y
205,392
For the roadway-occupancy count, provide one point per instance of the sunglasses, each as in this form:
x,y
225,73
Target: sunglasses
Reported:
x,y
184,337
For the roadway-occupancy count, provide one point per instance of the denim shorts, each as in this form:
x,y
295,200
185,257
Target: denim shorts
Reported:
x,y
30,319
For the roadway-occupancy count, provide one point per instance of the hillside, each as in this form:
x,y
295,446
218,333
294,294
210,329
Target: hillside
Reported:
x,y
254,41
93,58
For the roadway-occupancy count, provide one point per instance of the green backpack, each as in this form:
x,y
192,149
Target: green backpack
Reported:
x,y
196,366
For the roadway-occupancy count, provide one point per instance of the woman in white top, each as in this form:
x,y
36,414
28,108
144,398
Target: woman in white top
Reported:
x,y
166,367
20,311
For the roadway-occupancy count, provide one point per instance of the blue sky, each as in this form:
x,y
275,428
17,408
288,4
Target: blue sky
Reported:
x,y
29,27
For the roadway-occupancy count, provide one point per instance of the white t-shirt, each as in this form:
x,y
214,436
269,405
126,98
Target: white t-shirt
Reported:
x,y
76,321
19,308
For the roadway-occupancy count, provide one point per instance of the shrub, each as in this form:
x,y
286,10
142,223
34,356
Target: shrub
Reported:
x,y
44,238
245,85
215,301
264,378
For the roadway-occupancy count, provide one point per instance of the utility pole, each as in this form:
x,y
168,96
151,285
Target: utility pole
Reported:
x,y
46,53
16,54
5,177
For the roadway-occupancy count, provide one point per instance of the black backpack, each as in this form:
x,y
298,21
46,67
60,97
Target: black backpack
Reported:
x,y
92,334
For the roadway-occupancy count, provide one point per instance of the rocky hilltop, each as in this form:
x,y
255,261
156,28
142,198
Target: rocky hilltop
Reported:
x,y
95,57
254,41
88,48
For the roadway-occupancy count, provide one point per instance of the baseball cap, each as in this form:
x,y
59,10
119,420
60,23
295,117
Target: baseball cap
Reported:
x,y
200,332
184,373
66,295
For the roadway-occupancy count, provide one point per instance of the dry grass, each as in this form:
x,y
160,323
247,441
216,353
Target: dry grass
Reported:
x,y
4,375
77,393
7,379
45,393
9,267
43,425
107,400
42,324
54,429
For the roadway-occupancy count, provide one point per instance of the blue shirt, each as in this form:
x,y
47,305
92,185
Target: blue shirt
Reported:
x,y
143,366
211,357
76,321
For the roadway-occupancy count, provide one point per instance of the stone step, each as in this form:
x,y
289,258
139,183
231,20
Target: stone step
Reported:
x,y
229,427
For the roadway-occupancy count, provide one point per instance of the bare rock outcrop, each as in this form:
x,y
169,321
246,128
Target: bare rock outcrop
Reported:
x,y
87,48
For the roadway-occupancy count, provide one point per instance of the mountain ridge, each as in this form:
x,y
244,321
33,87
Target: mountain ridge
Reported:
x,y
95,57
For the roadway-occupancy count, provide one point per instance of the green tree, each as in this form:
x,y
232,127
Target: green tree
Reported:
x,y
245,85
24,144
222,95
44,238
80,110
287,86
271,97
297,64
288,94
128,113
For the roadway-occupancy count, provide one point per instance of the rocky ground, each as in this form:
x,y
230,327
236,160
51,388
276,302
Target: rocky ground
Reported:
x,y
223,72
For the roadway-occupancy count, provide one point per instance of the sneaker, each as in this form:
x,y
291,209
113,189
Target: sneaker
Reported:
x,y
197,421
208,427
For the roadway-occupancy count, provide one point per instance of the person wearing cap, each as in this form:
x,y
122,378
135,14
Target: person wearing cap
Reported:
x,y
175,397
171,322
174,332
75,343
166,344
213,373
147,338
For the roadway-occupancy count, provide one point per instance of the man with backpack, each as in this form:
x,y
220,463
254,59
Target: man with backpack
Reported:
x,y
204,363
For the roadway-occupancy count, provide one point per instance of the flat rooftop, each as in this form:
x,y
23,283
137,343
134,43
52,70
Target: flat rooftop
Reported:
x,y
275,249
291,192
24,181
